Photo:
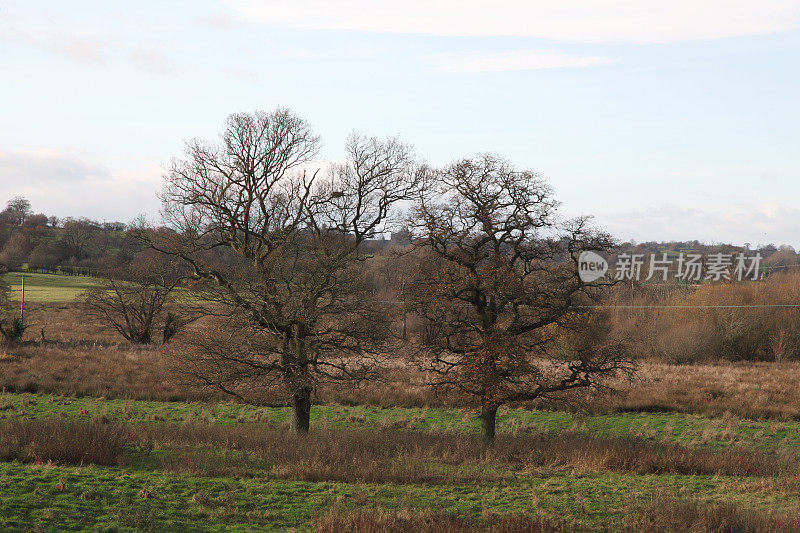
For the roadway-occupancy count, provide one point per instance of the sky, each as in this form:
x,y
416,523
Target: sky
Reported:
x,y
665,120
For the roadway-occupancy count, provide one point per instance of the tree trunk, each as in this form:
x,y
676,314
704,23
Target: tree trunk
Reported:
x,y
297,378
301,410
488,423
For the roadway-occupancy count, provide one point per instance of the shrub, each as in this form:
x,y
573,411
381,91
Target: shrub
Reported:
x,y
172,324
12,330
691,324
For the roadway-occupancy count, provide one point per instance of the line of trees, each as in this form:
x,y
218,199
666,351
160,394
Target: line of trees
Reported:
x,y
81,246
72,246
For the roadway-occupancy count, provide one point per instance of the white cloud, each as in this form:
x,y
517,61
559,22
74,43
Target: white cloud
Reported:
x,y
90,51
80,50
470,63
754,222
640,21
44,167
219,21
153,61
65,183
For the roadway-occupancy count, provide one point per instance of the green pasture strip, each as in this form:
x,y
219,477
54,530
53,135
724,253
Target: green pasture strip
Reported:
x,y
673,427
53,288
59,498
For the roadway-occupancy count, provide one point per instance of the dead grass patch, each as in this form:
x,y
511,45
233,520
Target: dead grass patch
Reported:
x,y
667,513
61,441
407,456
400,521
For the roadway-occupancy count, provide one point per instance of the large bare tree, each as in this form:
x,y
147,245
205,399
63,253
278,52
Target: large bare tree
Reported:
x,y
280,250
497,280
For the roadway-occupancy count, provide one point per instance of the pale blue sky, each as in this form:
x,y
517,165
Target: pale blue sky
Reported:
x,y
666,120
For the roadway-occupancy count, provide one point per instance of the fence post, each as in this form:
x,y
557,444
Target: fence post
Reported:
x,y
22,304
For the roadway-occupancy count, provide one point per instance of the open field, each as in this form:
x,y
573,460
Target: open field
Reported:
x,y
138,499
678,428
50,288
226,466
97,434
537,268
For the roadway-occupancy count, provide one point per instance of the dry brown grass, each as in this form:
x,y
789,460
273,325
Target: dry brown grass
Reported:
x,y
663,513
64,323
669,514
748,390
693,330
759,390
363,456
61,441
400,521
116,371
88,363
407,456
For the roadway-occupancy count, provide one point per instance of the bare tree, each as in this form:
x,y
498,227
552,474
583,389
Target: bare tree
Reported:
x,y
79,236
134,298
497,278
16,211
16,250
281,251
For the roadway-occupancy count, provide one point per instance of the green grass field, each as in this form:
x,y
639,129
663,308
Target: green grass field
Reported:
x,y
48,287
679,428
80,498
62,497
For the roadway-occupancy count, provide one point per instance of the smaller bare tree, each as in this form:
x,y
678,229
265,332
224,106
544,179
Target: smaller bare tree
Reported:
x,y
134,299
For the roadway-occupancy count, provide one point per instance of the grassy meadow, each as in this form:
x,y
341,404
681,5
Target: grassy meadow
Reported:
x,y
99,435
50,288
225,466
